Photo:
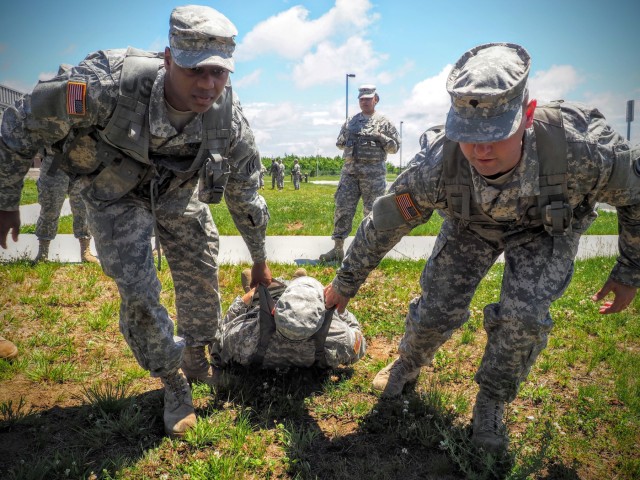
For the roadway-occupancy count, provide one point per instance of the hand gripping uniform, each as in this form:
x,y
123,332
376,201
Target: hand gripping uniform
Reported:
x,y
109,120
535,218
287,326
365,141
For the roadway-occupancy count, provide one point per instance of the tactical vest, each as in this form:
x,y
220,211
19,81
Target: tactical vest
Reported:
x,y
364,148
550,209
268,329
123,145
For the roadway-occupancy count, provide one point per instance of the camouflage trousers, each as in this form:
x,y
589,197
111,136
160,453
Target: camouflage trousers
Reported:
x,y
280,180
296,181
351,187
52,190
536,273
273,181
189,239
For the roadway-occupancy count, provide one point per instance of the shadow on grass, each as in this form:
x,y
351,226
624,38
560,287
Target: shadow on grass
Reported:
x,y
74,442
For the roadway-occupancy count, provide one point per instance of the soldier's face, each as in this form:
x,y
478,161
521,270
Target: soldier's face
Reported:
x,y
494,158
193,89
367,105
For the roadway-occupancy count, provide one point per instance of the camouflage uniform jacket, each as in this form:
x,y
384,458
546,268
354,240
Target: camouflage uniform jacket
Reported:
x,y
366,141
240,327
601,167
42,119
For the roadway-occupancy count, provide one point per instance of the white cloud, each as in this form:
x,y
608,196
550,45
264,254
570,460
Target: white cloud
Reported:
x,y
329,63
291,34
251,79
553,84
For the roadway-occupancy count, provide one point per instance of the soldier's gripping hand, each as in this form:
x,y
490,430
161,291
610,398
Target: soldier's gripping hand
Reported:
x,y
9,222
333,299
623,295
260,273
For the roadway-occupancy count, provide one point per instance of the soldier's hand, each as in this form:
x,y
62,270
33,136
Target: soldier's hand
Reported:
x,y
334,299
623,295
9,222
260,273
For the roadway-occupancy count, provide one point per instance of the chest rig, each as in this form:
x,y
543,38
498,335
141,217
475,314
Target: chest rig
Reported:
x,y
549,210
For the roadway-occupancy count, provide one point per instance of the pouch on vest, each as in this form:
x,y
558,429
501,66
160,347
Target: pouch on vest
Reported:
x,y
214,175
121,176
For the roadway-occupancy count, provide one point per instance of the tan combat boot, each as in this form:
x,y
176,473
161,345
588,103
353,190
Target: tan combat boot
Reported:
x,y
336,254
85,251
7,349
179,415
489,431
391,379
43,251
196,365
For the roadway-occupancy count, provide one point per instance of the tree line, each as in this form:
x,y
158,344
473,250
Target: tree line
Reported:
x,y
316,165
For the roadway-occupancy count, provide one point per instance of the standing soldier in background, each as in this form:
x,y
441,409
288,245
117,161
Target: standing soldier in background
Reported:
x,y
263,170
366,139
148,128
509,178
52,188
296,174
280,174
273,170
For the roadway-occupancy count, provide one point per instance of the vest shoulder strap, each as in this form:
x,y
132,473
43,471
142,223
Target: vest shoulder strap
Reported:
x,y
320,338
267,325
128,128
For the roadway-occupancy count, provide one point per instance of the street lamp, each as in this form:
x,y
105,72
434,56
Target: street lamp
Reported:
x,y
401,122
352,75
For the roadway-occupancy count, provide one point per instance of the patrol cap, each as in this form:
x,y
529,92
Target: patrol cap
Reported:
x,y
367,91
299,311
200,36
487,88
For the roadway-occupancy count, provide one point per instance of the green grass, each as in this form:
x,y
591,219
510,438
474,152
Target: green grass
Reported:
x,y
76,404
309,211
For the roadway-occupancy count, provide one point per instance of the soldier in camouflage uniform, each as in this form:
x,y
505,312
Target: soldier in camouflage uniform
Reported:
x,y
296,174
280,174
298,318
274,174
490,173
144,127
366,139
263,170
52,189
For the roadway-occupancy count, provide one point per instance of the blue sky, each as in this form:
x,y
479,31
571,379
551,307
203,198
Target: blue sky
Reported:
x,y
292,56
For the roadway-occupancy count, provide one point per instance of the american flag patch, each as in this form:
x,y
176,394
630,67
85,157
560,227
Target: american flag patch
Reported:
x,y
406,206
76,94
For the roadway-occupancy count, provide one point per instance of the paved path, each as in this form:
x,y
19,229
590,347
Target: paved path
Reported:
x,y
289,249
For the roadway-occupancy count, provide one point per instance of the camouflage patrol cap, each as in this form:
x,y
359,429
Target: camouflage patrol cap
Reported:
x,y
299,311
367,91
200,36
487,88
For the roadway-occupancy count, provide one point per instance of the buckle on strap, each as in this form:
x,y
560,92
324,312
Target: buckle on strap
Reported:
x,y
557,217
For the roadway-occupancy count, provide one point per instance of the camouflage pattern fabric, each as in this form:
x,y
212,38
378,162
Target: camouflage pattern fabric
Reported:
x,y
273,170
263,170
365,141
538,267
296,174
123,230
52,190
280,175
240,327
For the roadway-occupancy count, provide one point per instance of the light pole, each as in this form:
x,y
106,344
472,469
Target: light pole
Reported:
x,y
401,122
630,107
352,75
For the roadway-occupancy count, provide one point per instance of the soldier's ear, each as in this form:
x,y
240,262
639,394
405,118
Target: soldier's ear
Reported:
x,y
167,58
531,109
